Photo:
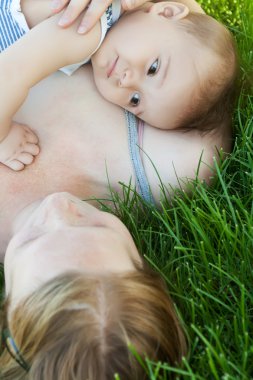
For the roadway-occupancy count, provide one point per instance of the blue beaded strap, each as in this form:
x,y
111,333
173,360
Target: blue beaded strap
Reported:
x,y
133,143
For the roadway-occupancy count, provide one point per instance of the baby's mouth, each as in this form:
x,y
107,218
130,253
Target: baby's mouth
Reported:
x,y
112,67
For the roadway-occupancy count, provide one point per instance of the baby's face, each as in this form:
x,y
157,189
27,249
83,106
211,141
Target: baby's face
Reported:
x,y
148,66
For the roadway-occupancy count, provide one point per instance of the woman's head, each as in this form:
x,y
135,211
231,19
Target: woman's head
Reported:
x,y
62,233
78,295
79,326
165,64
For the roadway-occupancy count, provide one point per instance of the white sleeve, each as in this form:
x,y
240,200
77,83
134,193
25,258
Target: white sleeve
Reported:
x,y
116,10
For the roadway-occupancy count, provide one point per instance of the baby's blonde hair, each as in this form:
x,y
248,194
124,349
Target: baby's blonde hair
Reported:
x,y
213,100
81,327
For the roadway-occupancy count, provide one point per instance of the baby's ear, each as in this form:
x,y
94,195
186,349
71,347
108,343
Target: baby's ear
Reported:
x,y
169,9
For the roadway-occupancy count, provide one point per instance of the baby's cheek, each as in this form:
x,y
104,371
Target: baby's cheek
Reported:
x,y
100,85
108,92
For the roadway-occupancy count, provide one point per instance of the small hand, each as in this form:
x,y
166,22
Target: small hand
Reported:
x,y
19,147
94,12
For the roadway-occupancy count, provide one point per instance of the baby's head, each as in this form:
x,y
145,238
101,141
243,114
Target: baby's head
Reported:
x,y
168,66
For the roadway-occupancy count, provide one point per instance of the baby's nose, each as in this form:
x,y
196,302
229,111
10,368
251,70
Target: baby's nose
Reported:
x,y
128,78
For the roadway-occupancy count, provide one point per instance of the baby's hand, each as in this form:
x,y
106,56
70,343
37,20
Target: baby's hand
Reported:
x,y
93,14
19,147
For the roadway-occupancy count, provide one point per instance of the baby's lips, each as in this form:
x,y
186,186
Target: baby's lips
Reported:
x,y
112,67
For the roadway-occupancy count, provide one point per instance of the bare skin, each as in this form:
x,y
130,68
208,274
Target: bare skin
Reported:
x,y
91,242
66,114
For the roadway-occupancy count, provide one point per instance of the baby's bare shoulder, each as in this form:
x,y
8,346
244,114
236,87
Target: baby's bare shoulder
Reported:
x,y
178,156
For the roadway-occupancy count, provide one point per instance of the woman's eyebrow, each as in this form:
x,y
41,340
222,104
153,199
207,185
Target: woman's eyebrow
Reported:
x,y
27,242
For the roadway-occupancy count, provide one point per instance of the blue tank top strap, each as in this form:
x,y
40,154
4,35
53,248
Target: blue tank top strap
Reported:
x,y
134,149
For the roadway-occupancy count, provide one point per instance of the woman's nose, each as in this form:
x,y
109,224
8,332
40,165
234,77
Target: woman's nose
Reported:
x,y
57,209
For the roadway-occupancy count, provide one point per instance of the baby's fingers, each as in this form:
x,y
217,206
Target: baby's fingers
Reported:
x,y
15,165
31,137
32,149
25,158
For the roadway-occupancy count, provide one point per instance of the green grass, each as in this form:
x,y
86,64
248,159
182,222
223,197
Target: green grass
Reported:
x,y
203,244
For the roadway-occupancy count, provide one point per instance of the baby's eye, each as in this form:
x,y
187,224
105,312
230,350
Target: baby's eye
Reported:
x,y
153,68
135,100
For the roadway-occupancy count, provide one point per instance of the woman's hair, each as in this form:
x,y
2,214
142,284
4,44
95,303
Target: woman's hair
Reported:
x,y
82,327
213,99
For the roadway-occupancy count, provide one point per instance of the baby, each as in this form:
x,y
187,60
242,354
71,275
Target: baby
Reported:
x,y
171,67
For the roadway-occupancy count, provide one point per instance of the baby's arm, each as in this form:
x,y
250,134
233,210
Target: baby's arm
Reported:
x,y
40,52
43,50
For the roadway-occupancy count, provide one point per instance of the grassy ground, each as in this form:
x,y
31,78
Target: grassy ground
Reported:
x,y
203,245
